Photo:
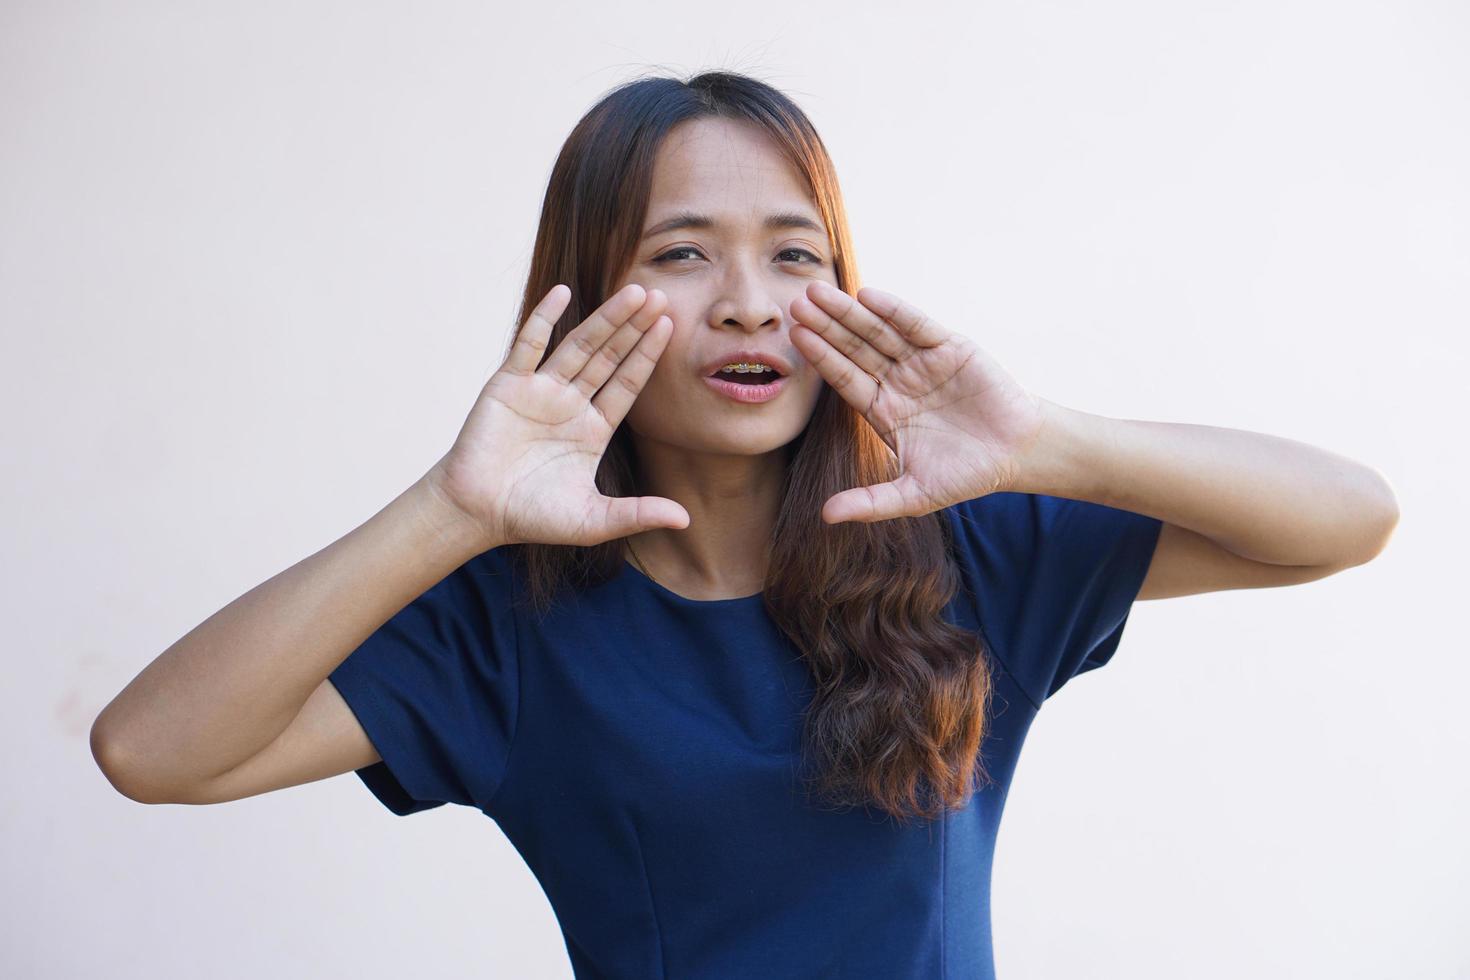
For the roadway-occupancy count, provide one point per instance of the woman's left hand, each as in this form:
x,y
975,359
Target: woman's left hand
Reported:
x,y
956,420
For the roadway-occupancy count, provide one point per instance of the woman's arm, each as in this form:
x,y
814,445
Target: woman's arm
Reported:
x,y
226,690
1246,496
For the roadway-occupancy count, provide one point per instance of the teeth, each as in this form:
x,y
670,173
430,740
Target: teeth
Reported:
x,y
746,368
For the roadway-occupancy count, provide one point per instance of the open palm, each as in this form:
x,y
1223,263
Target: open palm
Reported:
x,y
957,421
524,465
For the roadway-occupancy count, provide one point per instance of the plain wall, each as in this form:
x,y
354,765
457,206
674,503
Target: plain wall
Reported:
x,y
257,260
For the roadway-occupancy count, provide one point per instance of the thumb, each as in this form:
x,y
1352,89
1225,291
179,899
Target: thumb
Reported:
x,y
631,515
879,502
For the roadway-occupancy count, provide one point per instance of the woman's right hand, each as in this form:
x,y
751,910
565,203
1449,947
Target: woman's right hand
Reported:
x,y
523,467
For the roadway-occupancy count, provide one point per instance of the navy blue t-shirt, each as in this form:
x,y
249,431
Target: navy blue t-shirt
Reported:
x,y
640,751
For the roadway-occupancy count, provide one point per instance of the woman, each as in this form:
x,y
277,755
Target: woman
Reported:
x,y
740,587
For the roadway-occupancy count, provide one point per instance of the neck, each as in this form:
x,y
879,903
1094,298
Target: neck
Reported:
x,y
732,503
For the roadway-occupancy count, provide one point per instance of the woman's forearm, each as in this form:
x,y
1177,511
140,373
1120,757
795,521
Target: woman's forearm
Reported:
x,y
1264,497
230,686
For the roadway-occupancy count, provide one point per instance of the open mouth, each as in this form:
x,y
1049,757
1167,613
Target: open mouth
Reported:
x,y
763,377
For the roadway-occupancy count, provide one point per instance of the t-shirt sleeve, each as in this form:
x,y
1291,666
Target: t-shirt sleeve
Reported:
x,y
436,688
1054,580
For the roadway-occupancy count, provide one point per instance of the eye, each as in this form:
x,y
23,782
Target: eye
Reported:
x,y
673,255
669,255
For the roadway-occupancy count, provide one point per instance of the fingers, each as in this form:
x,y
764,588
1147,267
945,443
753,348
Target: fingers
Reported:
x,y
602,364
857,387
850,327
535,333
621,390
913,323
880,502
625,516
579,346
873,329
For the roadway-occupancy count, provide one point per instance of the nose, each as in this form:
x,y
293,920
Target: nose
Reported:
x,y
745,301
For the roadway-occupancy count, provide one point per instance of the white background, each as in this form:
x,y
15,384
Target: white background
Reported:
x,y
256,261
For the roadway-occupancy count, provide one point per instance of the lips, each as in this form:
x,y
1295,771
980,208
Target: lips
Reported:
x,y
746,393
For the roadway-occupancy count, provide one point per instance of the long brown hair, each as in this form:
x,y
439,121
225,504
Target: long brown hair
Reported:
x,y
901,695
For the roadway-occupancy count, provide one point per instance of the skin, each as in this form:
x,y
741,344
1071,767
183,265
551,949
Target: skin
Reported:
x,y
1239,509
959,425
733,286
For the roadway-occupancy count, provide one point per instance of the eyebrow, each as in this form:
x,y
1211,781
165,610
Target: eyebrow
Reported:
x,y
775,221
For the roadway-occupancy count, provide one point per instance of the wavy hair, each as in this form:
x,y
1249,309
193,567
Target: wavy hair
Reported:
x,y
902,696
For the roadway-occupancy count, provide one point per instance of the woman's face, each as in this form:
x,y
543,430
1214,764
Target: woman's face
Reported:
x,y
730,281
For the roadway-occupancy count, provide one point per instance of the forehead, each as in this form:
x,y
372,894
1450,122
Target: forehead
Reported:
x,y
722,165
